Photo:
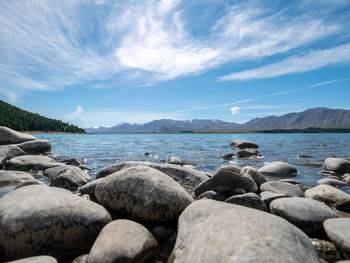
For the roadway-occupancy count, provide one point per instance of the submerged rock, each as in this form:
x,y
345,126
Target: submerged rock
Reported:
x,y
282,188
278,169
9,136
36,146
337,165
179,161
248,153
338,232
244,144
212,231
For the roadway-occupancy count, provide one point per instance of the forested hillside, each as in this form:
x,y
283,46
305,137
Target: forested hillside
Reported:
x,y
21,120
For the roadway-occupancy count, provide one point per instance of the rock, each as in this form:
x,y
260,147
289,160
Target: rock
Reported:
x,y
337,165
228,169
187,177
41,220
36,146
70,179
123,241
267,197
9,151
290,181
282,188
53,172
278,169
81,259
312,164
30,182
31,162
251,200
179,161
243,144
330,196
254,174
149,153
211,195
303,156
89,188
332,182
346,178
228,156
248,153
305,213
13,178
338,232
9,136
212,231
143,193
326,250
73,162
224,181
37,259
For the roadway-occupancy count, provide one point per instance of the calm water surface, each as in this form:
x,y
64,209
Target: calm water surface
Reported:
x,y
100,150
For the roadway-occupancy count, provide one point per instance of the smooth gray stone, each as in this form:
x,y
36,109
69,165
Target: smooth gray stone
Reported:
x,y
228,169
225,180
211,231
144,194
9,136
13,178
326,250
179,161
30,162
243,144
267,197
245,153
11,151
338,232
123,241
251,200
187,177
330,196
332,182
305,213
282,188
36,146
278,169
30,182
53,172
37,259
337,165
254,174
70,179
227,156
211,195
41,220
89,188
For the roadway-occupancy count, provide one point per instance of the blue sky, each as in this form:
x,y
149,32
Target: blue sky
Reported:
x,y
103,62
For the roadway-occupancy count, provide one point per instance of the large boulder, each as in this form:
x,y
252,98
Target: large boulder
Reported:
x,y
282,188
330,195
13,178
212,231
243,144
9,151
143,193
305,213
70,178
338,232
36,146
254,174
187,177
123,241
278,169
337,165
9,136
226,181
41,220
31,162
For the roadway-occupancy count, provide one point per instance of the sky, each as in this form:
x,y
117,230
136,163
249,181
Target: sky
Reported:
x,y
104,62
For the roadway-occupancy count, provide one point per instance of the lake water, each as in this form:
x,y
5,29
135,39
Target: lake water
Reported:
x,y
100,150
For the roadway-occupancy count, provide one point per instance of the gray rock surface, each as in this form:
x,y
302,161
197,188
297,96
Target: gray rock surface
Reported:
x,y
9,136
337,165
89,188
70,179
330,196
37,259
53,172
187,177
31,162
179,161
211,195
212,231
41,220
282,188
144,194
36,146
123,241
278,169
332,182
305,213
245,153
81,259
13,178
243,144
251,200
9,151
254,174
267,197
326,250
338,232
30,182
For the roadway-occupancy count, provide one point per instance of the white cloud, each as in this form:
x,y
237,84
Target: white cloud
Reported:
x,y
235,110
75,114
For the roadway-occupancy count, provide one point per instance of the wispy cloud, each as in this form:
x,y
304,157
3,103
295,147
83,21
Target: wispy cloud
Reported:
x,y
74,115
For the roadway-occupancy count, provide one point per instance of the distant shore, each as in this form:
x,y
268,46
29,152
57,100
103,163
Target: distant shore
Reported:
x,y
50,132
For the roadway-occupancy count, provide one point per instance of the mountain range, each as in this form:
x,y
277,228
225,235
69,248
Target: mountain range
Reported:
x,y
315,117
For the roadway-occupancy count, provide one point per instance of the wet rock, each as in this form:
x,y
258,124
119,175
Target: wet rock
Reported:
x,y
149,153
332,182
143,193
248,153
123,241
326,250
187,177
278,169
251,200
40,220
338,232
305,213
330,196
244,144
337,165
228,156
267,197
36,146
303,156
179,161
282,188
70,179
9,136
254,174
224,181
13,178
31,162
73,162
37,259
312,164
209,231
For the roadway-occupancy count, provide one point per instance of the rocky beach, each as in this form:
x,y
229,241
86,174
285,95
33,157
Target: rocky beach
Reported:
x,y
142,211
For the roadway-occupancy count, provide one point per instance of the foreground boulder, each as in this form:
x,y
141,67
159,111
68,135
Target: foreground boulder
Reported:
x,y
187,177
143,193
123,241
9,151
243,144
9,136
31,162
278,169
36,146
41,220
337,165
212,231
338,232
